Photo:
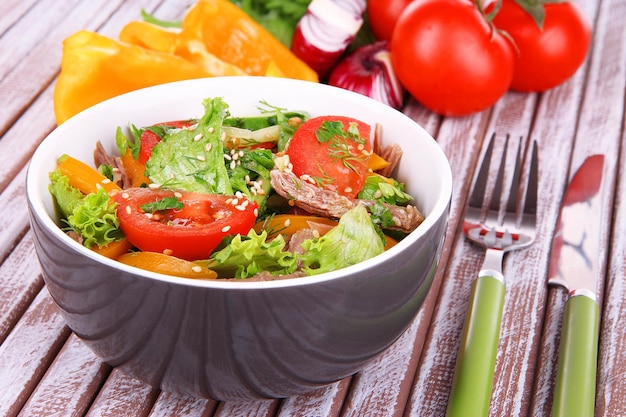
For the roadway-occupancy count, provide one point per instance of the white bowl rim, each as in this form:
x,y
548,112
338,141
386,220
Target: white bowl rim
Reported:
x,y
438,210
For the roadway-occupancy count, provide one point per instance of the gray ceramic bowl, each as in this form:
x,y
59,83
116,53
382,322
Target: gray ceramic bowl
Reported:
x,y
234,340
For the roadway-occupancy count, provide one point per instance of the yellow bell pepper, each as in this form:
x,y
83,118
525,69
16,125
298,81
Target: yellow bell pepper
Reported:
x,y
95,68
233,36
170,40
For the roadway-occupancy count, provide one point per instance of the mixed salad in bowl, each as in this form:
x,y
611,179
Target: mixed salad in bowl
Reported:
x,y
270,196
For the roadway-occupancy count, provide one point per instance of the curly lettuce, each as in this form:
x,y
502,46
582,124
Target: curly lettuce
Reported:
x,y
247,256
91,216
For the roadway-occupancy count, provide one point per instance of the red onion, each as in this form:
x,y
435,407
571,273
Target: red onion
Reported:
x,y
368,71
325,31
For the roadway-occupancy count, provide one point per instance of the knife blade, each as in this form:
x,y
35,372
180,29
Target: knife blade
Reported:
x,y
574,265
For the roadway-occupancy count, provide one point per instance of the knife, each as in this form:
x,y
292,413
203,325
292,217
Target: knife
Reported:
x,y
575,266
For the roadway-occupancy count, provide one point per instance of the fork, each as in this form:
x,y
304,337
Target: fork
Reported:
x,y
499,232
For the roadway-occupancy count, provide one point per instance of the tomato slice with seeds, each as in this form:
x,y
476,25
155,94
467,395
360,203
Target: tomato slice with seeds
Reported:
x,y
333,151
190,232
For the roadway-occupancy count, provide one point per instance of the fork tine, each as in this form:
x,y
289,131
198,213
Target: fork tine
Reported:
x,y
511,206
480,184
530,204
497,187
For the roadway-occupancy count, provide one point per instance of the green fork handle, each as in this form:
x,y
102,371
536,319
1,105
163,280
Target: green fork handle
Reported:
x,y
575,390
471,386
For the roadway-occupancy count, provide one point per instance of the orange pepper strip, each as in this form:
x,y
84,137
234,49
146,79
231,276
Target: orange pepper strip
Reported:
x,y
114,249
87,179
95,68
165,264
134,169
377,162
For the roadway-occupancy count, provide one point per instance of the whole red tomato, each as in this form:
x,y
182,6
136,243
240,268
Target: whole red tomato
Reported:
x,y
549,56
383,15
448,57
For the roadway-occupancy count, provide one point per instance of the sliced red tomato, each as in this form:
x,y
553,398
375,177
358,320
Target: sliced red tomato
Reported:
x,y
333,151
191,232
149,139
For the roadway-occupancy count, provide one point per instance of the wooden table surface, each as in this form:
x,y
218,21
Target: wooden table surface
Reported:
x,y
46,370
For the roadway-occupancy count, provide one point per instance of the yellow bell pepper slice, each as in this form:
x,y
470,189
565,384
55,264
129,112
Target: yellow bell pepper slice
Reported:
x,y
169,40
95,68
233,36
165,264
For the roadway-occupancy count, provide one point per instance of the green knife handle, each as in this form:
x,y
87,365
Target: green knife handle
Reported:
x,y
575,390
471,387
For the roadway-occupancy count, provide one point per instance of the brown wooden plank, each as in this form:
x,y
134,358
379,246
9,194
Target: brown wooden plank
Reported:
x,y
259,408
610,400
37,58
29,349
326,401
12,11
123,396
14,222
70,383
21,282
169,404
599,131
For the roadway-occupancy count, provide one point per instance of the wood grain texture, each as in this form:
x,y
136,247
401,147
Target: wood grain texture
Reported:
x,y
46,370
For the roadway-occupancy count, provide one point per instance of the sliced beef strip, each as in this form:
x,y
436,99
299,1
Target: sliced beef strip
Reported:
x,y
100,156
327,203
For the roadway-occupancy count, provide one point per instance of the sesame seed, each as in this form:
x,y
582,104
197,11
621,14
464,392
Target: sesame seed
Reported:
x,y
128,210
360,147
348,189
245,203
235,156
287,223
234,201
261,191
253,191
201,158
316,234
106,181
211,130
196,268
240,153
229,200
233,164
247,179
228,157
178,194
256,212
378,194
198,137
225,229
241,207
239,194
207,147
125,196
167,251
98,186
154,186
149,215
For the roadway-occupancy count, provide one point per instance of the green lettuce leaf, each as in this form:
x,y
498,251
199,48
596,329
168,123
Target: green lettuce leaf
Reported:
x,y
249,255
353,240
66,196
193,160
